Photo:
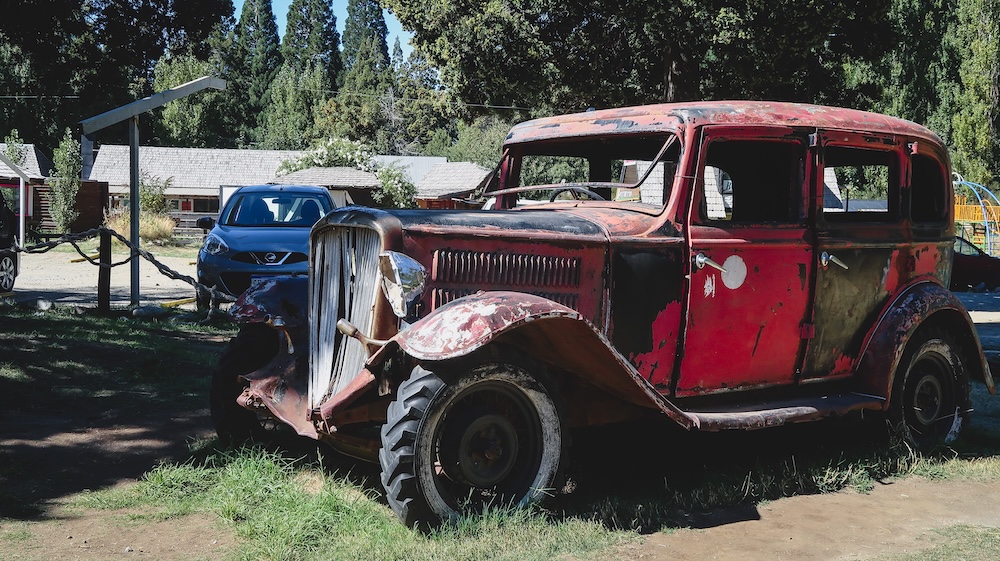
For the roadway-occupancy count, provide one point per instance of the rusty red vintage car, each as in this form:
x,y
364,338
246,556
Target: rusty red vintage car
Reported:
x,y
725,265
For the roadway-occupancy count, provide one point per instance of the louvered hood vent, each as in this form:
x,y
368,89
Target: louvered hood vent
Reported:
x,y
460,273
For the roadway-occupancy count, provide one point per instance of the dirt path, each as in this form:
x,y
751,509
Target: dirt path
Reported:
x,y
895,517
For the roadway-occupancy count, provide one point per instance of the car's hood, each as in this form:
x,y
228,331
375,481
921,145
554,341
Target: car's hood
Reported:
x,y
593,221
269,238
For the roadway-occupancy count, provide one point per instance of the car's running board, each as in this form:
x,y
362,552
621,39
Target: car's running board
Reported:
x,y
772,414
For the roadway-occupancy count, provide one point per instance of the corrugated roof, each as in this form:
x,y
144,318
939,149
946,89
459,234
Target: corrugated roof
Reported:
x,y
36,165
451,179
192,171
331,178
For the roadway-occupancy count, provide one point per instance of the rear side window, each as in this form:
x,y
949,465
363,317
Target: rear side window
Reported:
x,y
928,190
860,185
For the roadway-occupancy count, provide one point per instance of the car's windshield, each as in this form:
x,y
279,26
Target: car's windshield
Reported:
x,y
275,209
618,168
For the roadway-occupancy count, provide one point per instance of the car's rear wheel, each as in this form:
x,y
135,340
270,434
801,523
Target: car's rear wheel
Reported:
x,y
930,404
8,272
253,347
488,436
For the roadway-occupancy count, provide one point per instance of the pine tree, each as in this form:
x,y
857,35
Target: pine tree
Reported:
x,y
364,20
255,59
356,112
311,39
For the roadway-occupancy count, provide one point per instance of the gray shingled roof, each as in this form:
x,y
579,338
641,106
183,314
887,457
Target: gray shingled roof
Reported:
x,y
451,179
416,167
331,178
193,171
36,165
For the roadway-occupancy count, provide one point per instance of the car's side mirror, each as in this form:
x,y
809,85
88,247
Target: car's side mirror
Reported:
x,y
205,223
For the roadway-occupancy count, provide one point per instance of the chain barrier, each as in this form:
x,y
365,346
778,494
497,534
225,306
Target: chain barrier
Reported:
x,y
73,239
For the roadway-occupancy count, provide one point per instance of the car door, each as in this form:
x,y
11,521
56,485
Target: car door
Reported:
x,y
861,246
752,262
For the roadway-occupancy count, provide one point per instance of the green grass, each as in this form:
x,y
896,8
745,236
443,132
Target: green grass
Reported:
x,y
288,510
187,248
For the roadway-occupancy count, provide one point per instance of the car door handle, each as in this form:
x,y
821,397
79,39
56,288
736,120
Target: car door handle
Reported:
x,y
825,259
701,260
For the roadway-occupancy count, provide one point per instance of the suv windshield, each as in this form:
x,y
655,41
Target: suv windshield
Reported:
x,y
275,209
621,168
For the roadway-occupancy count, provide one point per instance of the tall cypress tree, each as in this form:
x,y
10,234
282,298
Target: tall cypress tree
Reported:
x,y
255,59
364,19
194,21
311,39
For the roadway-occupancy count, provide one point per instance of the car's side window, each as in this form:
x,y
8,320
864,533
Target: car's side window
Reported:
x,y
928,190
752,181
860,185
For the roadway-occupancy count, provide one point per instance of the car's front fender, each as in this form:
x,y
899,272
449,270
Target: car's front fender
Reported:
x,y
545,330
284,297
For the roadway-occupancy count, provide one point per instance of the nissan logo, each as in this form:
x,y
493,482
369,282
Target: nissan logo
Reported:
x,y
270,258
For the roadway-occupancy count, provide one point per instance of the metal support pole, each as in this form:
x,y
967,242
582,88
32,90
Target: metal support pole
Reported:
x,y
133,138
104,275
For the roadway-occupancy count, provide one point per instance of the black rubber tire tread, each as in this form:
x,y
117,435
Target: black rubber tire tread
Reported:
x,y
405,415
924,342
396,454
253,347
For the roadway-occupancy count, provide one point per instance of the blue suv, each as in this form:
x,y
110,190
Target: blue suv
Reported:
x,y
263,230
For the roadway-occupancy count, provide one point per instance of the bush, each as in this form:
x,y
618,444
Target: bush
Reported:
x,y
153,227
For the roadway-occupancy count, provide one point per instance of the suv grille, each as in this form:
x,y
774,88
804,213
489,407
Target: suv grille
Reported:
x,y
343,284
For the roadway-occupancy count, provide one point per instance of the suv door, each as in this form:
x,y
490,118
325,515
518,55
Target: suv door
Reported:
x,y
860,234
752,262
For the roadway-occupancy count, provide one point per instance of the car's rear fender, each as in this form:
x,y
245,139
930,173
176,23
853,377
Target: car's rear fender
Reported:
x,y
547,331
921,304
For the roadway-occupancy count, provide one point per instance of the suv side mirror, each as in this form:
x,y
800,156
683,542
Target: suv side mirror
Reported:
x,y
205,223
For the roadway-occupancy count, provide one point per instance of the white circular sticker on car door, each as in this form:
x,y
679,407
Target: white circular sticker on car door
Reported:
x,y
736,272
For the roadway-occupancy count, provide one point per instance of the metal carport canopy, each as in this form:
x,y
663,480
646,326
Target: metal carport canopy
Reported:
x,y
131,112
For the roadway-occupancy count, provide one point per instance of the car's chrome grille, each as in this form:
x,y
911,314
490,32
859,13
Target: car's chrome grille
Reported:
x,y
270,257
343,283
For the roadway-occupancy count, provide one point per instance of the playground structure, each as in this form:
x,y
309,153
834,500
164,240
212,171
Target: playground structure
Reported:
x,y
977,215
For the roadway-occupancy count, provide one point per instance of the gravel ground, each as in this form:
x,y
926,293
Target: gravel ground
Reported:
x,y
55,277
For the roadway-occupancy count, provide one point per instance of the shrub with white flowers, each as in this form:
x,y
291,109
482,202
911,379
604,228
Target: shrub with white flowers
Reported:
x,y
395,191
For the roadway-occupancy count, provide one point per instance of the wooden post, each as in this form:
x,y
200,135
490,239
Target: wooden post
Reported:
x,y
104,276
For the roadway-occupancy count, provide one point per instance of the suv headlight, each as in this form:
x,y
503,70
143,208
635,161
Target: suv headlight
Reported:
x,y
402,281
214,245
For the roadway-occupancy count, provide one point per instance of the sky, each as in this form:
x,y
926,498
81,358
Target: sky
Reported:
x,y
280,8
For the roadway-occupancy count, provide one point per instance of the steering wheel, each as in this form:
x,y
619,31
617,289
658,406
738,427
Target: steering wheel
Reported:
x,y
576,191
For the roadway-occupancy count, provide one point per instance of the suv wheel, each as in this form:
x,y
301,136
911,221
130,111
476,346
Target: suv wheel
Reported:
x,y
491,436
8,273
930,404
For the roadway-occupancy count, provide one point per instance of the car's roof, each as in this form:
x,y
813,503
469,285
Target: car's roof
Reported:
x,y
270,188
674,116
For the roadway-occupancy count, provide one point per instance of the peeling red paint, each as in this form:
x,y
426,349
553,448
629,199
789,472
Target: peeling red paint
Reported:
x,y
658,364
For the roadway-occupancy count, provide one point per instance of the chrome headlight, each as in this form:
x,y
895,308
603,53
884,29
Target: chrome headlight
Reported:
x,y
214,245
402,281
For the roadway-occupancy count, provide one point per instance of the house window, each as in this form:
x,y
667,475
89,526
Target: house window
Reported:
x,y
206,205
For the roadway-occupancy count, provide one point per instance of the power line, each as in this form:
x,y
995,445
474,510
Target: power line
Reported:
x,y
39,96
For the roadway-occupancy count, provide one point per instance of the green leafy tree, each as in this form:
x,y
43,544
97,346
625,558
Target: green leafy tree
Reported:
x,y
152,194
421,106
479,142
553,56
197,120
65,182
365,22
311,40
977,149
16,152
193,22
